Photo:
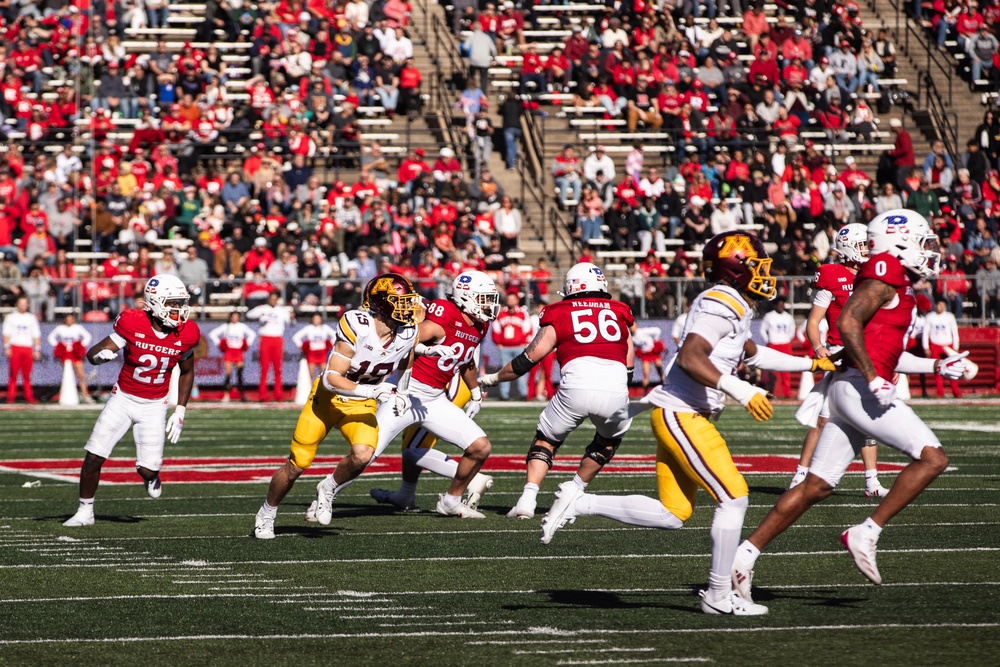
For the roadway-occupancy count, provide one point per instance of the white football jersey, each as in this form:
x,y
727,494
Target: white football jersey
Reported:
x,y
722,316
373,360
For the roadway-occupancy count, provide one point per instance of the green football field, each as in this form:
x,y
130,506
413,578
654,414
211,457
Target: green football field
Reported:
x,y
179,581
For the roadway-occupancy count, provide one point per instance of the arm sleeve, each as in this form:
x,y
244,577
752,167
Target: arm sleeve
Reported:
x,y
913,365
771,360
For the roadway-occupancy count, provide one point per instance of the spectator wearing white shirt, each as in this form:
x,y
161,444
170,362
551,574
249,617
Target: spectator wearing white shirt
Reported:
x,y
777,329
22,345
941,341
233,338
69,342
273,319
599,161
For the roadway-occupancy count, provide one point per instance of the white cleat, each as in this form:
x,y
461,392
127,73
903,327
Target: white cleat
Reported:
x,y
742,577
311,512
733,605
154,488
861,545
324,501
522,511
461,510
263,526
387,497
478,487
563,510
876,490
83,517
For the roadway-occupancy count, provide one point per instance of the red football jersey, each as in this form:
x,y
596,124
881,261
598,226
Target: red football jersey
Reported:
x,y
838,280
887,332
149,355
589,327
461,337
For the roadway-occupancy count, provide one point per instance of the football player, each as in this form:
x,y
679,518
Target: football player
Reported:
x,y
833,284
315,340
155,340
233,339
372,343
449,339
590,333
690,452
69,342
863,400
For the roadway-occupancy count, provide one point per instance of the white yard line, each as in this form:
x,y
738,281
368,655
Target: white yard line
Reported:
x,y
517,635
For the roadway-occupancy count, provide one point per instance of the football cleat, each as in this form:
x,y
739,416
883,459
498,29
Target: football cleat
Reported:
x,y
563,510
876,490
742,577
522,510
324,501
732,604
861,545
461,510
387,497
263,526
83,517
153,487
479,485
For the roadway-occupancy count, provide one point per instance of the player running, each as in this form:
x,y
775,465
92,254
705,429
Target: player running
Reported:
x,y
155,340
233,339
833,284
690,452
874,327
590,333
449,339
372,343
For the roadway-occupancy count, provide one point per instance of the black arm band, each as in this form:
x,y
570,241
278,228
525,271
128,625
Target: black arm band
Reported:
x,y
522,364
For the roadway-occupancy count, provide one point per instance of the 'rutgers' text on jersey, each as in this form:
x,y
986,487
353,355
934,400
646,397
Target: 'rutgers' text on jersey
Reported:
x,y
833,284
887,333
461,337
150,355
592,335
373,360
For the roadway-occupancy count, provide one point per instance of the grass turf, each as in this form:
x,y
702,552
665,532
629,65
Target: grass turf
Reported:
x,y
179,579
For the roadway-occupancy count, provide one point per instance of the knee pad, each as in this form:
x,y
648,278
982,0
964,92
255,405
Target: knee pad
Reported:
x,y
729,514
603,450
538,453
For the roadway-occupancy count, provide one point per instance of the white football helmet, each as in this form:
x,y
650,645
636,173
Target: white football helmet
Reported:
x,y
584,277
907,236
851,243
167,299
477,295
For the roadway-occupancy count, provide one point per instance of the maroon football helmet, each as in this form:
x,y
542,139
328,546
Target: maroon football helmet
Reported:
x,y
392,298
738,259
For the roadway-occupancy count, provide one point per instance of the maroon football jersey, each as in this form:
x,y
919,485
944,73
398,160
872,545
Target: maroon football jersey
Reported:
x,y
887,332
150,356
589,327
461,337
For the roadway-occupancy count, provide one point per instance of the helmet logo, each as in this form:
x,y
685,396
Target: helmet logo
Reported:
x,y
736,244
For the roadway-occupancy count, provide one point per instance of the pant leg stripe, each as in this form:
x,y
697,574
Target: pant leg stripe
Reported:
x,y
694,457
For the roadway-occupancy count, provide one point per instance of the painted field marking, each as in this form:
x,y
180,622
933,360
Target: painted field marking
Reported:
x,y
516,634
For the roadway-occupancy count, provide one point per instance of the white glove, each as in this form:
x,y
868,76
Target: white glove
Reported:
x,y
434,350
489,380
885,391
104,356
473,407
176,424
953,367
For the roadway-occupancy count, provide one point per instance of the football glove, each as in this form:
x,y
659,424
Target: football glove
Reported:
x,y
104,356
953,367
175,424
885,391
823,364
474,405
754,399
489,380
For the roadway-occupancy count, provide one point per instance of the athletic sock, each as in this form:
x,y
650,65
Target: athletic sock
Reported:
x,y
267,510
872,527
579,482
633,510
